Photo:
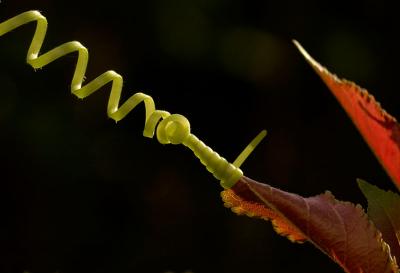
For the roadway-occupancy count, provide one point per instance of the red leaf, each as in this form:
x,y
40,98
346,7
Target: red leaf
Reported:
x,y
379,129
339,229
243,202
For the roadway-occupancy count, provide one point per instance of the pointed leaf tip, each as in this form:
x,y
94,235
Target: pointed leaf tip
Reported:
x,y
380,130
302,50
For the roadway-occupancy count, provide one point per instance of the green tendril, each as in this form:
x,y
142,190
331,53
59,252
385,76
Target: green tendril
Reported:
x,y
169,128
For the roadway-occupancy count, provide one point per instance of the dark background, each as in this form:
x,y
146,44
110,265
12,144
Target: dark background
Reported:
x,y
79,193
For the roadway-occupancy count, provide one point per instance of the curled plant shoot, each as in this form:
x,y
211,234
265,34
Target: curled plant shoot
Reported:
x,y
169,128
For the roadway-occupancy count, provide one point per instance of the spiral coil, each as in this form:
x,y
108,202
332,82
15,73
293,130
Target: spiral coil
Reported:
x,y
169,128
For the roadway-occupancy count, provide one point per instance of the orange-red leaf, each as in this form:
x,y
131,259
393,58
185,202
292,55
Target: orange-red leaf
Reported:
x,y
244,203
339,229
380,130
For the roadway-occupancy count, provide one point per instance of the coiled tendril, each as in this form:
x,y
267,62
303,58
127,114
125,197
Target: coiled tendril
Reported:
x,y
169,128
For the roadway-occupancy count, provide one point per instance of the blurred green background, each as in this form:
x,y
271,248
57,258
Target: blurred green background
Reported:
x,y
80,193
